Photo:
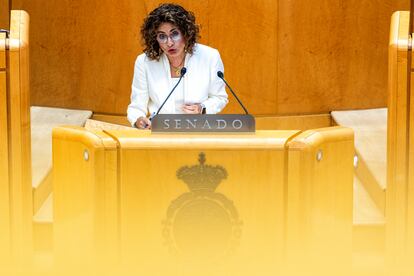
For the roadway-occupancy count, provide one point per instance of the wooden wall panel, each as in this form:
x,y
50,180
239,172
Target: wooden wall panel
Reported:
x,y
333,54
246,35
83,52
282,57
4,14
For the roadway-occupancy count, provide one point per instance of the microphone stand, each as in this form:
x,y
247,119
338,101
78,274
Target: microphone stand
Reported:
x,y
182,73
221,76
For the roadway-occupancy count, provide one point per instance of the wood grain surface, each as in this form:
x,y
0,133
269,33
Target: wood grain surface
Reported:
x,y
93,188
4,14
282,57
4,160
397,150
400,144
19,147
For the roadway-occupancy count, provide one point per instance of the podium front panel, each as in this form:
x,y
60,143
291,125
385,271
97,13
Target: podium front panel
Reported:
x,y
205,203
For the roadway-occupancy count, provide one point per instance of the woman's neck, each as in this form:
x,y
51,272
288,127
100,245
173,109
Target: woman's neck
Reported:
x,y
176,61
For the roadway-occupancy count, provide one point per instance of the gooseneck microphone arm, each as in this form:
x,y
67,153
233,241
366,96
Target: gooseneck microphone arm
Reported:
x,y
182,73
221,76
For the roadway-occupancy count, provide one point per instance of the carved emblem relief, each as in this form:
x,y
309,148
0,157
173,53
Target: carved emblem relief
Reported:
x,y
202,224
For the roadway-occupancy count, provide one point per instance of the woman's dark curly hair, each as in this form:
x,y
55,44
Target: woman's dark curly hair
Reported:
x,y
168,13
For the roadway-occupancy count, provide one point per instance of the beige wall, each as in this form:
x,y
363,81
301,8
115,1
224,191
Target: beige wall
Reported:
x,y
282,57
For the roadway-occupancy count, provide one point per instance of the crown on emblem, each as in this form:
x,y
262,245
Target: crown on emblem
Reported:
x,y
202,177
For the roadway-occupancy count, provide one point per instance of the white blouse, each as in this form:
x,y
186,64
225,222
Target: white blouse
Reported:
x,y
179,96
152,83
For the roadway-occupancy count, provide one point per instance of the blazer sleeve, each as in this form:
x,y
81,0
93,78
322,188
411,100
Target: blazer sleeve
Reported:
x,y
217,96
139,95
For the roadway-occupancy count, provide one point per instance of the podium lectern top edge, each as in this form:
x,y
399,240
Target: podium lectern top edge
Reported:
x,y
95,139
314,137
260,139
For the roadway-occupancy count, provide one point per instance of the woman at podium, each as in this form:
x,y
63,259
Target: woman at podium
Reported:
x,y
173,60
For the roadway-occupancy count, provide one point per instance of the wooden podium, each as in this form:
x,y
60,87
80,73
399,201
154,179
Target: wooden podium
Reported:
x,y
203,204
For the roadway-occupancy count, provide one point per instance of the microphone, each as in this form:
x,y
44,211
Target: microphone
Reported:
x,y
221,76
182,73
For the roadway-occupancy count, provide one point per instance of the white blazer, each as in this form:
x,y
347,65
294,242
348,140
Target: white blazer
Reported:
x,y
152,82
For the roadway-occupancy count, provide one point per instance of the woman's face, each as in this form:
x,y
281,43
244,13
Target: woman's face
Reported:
x,y
171,40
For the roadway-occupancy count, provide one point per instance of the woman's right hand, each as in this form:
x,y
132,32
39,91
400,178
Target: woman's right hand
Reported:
x,y
143,123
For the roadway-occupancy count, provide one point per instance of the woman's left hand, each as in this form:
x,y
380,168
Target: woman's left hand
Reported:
x,y
192,108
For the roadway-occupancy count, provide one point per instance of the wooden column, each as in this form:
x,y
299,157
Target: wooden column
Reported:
x,y
18,111
4,157
400,151
396,204
410,186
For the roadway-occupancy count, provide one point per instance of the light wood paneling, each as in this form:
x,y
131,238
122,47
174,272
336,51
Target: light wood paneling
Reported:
x,y
19,133
15,162
246,35
410,184
3,52
282,57
4,14
288,199
400,153
301,122
120,120
396,204
89,62
42,191
253,185
94,216
333,54
43,226
4,160
320,201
